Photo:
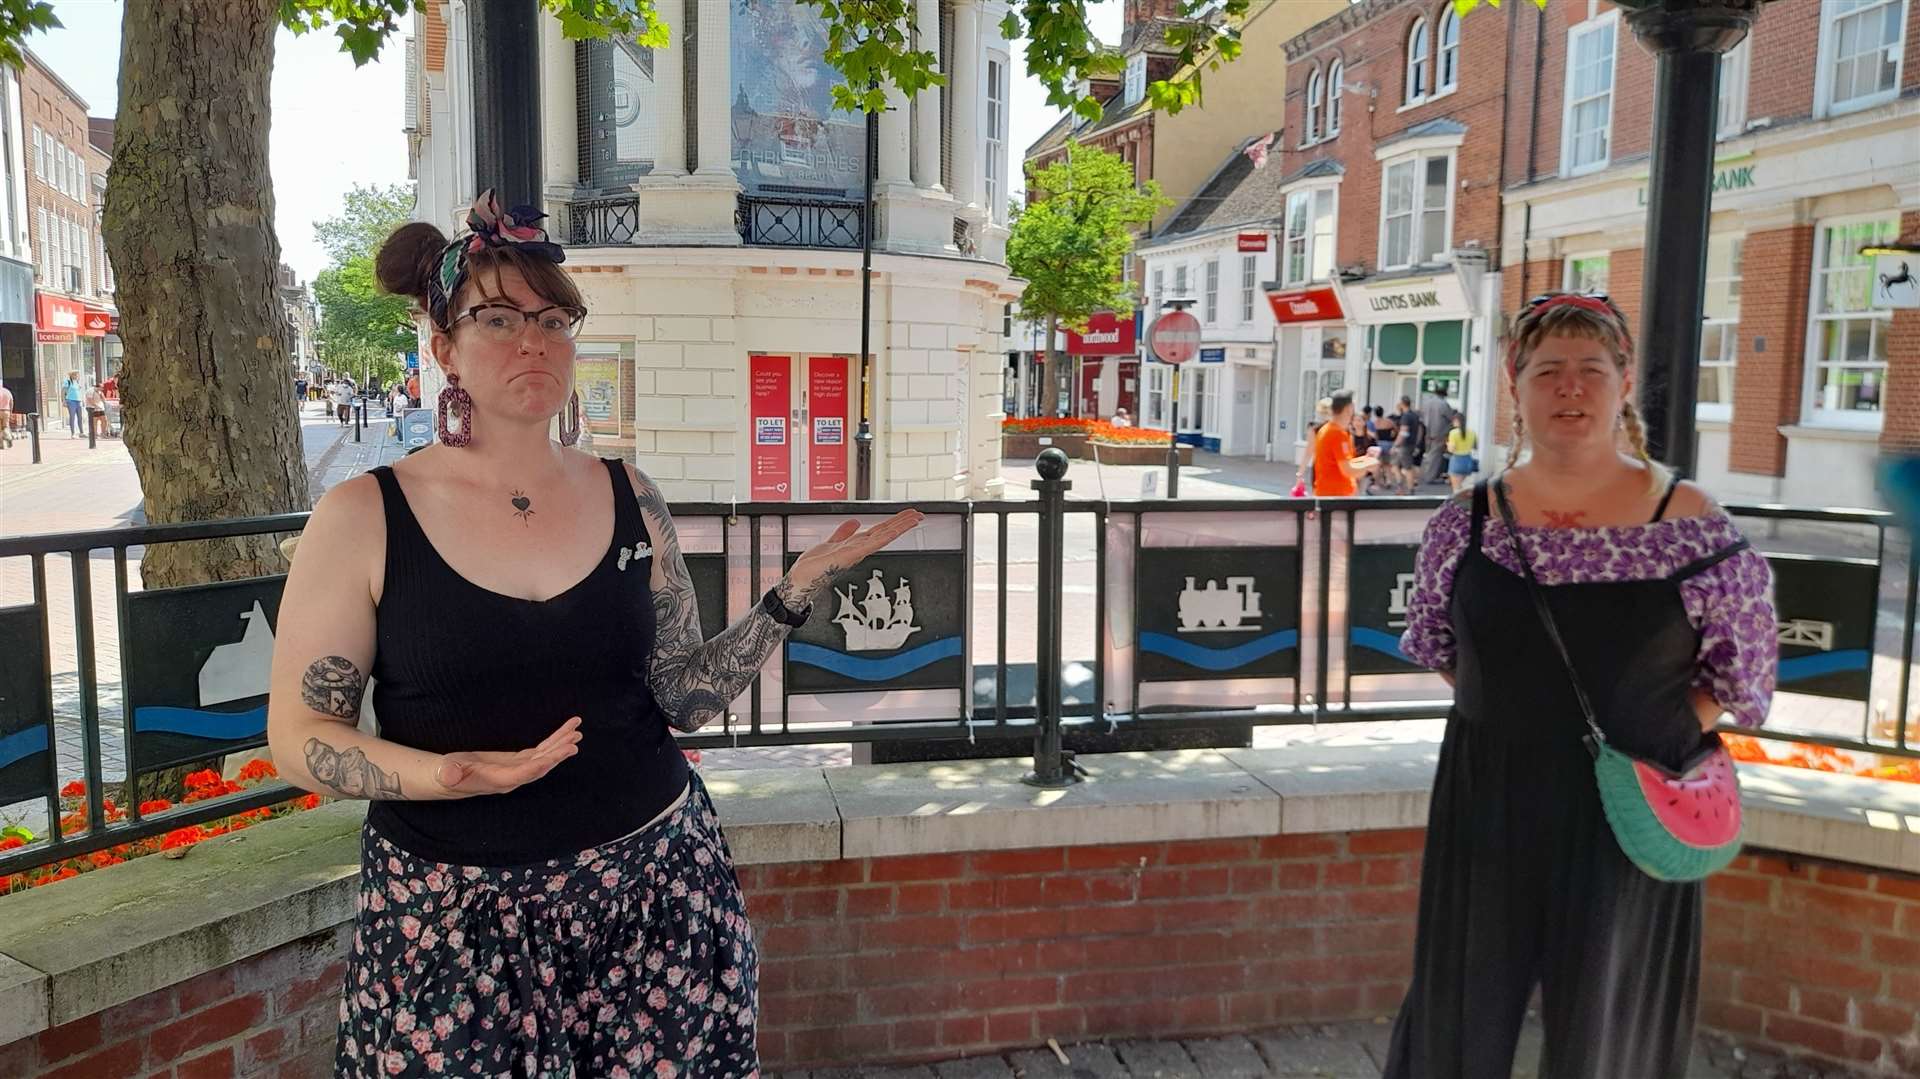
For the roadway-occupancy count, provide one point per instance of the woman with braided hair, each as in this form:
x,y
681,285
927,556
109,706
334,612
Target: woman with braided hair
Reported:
x,y
1668,618
544,886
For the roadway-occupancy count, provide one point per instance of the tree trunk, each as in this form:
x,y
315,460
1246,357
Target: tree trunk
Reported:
x,y
207,379
1050,373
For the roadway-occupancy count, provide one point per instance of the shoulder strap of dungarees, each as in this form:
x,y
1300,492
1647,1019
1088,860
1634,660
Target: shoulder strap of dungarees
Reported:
x,y
1479,514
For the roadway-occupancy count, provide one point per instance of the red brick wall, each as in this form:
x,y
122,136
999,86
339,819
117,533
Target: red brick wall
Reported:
x,y
1776,274
940,956
274,1014
1900,432
1371,41
948,955
1816,958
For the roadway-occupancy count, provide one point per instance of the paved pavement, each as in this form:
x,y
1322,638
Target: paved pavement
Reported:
x,y
1321,1051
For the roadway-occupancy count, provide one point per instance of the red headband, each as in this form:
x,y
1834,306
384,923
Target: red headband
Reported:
x,y
1594,304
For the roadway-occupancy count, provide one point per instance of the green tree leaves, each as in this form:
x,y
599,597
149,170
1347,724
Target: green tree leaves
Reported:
x,y
1071,242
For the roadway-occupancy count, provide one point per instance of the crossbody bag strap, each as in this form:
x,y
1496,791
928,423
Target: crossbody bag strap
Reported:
x,y
1546,613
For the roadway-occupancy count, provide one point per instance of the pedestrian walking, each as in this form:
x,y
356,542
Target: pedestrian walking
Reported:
x,y
526,908
96,411
71,394
397,404
6,417
1667,622
1409,437
1462,449
342,397
1303,463
1336,465
1436,418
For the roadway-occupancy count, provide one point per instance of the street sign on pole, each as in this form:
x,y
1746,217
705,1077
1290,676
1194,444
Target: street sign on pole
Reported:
x,y
1175,337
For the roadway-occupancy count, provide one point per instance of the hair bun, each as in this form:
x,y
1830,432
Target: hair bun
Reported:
x,y
408,260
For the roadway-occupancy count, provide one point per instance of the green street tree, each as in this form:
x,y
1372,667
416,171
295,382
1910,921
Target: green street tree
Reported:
x,y
361,328
1071,242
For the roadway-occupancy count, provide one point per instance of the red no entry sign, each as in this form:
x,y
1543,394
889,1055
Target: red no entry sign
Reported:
x,y
1175,337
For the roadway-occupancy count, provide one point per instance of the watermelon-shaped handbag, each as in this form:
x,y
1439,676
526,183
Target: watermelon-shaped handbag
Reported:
x,y
1675,826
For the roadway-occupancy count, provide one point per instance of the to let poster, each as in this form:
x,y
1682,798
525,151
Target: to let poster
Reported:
x,y
598,383
827,454
768,393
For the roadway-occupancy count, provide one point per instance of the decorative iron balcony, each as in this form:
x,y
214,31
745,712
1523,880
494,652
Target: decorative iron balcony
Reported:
x,y
797,222
605,221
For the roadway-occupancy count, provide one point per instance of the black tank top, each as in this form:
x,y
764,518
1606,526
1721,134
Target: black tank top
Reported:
x,y
460,668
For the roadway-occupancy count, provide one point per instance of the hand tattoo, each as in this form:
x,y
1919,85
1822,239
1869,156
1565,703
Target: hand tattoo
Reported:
x,y
332,687
522,507
350,773
1560,519
694,679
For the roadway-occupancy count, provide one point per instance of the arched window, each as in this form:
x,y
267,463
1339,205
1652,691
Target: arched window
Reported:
x,y
1417,84
1449,73
1334,74
1313,106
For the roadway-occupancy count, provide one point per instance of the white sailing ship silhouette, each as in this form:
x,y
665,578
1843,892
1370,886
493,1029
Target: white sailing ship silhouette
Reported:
x,y
878,622
1218,609
243,669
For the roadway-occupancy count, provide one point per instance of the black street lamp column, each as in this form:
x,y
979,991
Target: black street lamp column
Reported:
x,y
1686,38
504,52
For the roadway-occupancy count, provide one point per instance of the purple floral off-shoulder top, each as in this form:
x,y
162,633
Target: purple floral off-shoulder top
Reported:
x,y
1730,604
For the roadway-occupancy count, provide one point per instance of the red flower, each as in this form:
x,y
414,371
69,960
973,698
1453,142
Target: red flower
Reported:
x,y
258,769
204,778
183,837
12,842
75,789
155,805
311,801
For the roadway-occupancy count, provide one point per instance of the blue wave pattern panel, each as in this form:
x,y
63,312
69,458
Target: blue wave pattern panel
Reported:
x,y
1219,659
20,745
196,723
1376,641
1801,668
873,670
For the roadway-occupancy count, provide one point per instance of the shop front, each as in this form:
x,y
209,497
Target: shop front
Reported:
x,y
66,343
1312,363
17,370
1420,335
1106,365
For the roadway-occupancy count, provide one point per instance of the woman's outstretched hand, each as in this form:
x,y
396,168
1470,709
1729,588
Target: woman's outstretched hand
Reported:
x,y
846,548
466,775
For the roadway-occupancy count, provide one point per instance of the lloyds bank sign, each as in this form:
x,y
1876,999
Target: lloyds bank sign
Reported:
x,y
1735,178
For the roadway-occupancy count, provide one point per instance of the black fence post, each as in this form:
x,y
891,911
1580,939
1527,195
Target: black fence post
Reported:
x,y
359,419
1050,765
33,434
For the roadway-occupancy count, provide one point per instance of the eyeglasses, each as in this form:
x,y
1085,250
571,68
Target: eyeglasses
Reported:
x,y
502,323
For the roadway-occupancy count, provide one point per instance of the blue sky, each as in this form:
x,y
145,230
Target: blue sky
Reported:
x,y
335,125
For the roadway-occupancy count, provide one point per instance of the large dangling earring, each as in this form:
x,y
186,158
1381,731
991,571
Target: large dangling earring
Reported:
x,y
453,414
570,421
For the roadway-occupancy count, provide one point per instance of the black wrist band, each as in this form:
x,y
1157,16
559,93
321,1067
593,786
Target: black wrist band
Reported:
x,y
777,609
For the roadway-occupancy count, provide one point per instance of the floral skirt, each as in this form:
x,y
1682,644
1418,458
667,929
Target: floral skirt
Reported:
x,y
629,959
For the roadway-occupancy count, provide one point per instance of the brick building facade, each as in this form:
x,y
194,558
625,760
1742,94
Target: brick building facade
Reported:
x,y
1805,378
1389,278
74,317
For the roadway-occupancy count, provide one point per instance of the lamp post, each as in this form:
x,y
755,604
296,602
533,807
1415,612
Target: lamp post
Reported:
x,y
504,58
1686,39
863,438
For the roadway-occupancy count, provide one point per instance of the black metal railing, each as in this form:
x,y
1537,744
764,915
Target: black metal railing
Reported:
x,y
798,222
606,221
1328,564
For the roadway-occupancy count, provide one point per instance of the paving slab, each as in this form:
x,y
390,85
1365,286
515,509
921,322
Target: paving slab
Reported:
x,y
776,814
1346,788
1313,1056
23,1000
1227,1058
1157,1060
974,1068
1089,1060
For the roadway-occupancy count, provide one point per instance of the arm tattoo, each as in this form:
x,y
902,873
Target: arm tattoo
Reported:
x,y
332,687
694,679
350,774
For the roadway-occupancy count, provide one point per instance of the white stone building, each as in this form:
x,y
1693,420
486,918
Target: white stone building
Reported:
x,y
711,202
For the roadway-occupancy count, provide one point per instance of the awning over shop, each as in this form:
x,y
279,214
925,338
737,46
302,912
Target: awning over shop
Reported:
x,y
1316,304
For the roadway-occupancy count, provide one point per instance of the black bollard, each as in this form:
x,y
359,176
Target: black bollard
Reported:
x,y
33,434
1050,764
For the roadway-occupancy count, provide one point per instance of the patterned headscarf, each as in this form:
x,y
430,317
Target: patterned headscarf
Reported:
x,y
489,227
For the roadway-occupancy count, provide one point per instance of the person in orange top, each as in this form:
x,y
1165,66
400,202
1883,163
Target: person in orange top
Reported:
x,y
1335,466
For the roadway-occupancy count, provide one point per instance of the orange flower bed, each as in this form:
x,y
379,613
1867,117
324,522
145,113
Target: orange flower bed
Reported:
x,y
200,787
1822,758
1098,430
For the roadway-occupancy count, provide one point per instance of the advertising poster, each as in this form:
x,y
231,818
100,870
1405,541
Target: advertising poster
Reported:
x,y
787,137
769,392
827,479
598,383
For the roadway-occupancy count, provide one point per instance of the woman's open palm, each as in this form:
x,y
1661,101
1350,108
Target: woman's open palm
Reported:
x,y
848,547
465,775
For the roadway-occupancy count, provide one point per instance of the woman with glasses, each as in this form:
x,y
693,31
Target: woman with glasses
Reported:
x,y
545,889
1668,619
